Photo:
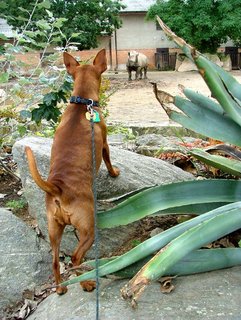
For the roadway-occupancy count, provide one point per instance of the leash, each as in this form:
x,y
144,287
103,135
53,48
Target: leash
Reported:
x,y
94,116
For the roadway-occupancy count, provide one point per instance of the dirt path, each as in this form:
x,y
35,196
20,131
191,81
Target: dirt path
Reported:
x,y
134,102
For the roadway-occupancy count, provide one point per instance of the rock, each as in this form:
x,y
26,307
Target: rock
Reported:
x,y
153,144
155,231
137,172
227,62
150,144
214,58
24,259
3,95
213,295
185,65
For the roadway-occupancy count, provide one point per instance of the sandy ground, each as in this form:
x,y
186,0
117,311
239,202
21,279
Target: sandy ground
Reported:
x,y
134,102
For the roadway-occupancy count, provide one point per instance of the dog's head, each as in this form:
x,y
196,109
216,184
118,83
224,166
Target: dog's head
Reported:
x,y
86,77
72,65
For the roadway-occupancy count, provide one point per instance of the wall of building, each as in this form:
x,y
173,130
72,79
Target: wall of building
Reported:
x,y
137,34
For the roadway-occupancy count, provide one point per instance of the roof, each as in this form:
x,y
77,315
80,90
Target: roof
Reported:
x,y
137,5
5,28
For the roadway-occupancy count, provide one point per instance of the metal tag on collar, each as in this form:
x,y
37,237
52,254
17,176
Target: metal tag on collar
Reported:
x,y
95,117
91,114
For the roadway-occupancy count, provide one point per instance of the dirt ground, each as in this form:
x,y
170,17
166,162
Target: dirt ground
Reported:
x,y
134,101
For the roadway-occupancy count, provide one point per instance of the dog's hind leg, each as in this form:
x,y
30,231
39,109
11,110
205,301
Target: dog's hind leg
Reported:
x,y
84,223
113,171
55,235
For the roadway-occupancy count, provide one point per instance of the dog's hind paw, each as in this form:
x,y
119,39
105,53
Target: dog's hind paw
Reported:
x,y
61,290
88,285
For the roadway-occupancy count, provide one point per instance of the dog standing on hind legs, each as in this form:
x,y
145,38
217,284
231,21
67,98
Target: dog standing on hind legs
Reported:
x,y
69,196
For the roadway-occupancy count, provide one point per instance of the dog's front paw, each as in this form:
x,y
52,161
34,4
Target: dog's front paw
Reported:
x,y
115,172
61,290
88,285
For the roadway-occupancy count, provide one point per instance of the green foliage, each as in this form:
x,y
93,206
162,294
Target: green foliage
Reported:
x,y
17,204
204,24
36,93
82,21
118,129
41,93
48,109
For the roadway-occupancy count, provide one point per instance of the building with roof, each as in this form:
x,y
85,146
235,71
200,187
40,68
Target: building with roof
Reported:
x,y
5,29
147,37
139,34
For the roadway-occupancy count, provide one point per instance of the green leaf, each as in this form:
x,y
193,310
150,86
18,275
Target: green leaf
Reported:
x,y
24,81
3,37
50,99
23,10
218,88
59,22
43,24
160,198
45,112
75,34
206,121
186,48
153,244
56,39
4,77
227,220
197,261
22,130
225,164
202,101
31,34
230,82
50,14
45,4
25,114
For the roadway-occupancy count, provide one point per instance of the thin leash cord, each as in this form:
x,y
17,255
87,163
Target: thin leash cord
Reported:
x,y
95,217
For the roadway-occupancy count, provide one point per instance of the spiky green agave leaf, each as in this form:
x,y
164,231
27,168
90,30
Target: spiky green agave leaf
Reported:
x,y
231,166
197,261
202,101
227,220
218,88
206,121
171,196
232,85
186,48
151,245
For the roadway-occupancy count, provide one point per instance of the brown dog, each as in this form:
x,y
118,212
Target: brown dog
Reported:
x,y
69,196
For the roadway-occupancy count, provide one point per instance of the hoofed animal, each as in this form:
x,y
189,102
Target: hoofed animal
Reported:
x,y
69,196
136,62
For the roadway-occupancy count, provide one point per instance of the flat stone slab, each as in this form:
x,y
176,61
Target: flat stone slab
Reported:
x,y
213,295
25,261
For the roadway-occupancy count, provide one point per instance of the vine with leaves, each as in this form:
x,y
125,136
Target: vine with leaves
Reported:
x,y
32,97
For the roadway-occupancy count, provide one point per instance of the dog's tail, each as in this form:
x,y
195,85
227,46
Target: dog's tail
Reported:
x,y
44,185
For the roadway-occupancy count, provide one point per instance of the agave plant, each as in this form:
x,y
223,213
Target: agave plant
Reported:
x,y
216,203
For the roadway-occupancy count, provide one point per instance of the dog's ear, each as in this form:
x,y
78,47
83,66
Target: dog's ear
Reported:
x,y
100,61
70,63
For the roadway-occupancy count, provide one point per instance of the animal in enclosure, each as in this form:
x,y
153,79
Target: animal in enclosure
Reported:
x,y
69,195
138,63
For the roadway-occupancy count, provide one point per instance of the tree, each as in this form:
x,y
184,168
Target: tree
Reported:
x,y
86,20
205,24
